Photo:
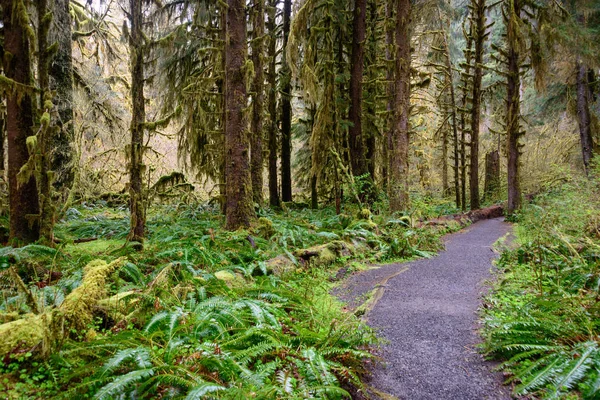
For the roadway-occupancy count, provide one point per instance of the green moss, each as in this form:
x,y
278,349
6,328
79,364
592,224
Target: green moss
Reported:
x,y
78,307
364,213
21,333
264,228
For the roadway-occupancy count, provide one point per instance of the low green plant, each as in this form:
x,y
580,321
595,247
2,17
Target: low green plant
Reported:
x,y
543,317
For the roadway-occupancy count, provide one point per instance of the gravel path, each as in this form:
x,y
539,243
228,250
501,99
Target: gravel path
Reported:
x,y
427,311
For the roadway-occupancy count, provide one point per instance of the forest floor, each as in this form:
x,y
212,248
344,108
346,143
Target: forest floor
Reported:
x,y
426,310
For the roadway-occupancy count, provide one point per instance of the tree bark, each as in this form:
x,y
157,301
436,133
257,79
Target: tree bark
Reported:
x,y
478,11
398,187
240,210
390,87
46,130
256,148
272,100
23,197
357,143
61,82
583,115
492,173
138,119
2,139
453,120
445,186
286,110
463,122
513,109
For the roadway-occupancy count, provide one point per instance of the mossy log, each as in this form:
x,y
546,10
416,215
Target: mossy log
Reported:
x,y
75,314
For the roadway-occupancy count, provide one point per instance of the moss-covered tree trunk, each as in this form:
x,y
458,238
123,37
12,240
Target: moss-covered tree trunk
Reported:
x,y
372,59
492,174
138,119
398,186
61,82
583,115
390,52
445,142
256,155
286,110
468,52
240,210
355,134
2,137
453,117
272,104
46,130
479,35
513,104
23,196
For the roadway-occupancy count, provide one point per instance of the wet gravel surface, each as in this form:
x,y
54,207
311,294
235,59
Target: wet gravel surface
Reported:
x,y
428,315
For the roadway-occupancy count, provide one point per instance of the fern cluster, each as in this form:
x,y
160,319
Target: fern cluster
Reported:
x,y
543,317
267,340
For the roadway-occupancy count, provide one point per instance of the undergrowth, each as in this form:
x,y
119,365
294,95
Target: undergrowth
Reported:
x,y
199,313
543,316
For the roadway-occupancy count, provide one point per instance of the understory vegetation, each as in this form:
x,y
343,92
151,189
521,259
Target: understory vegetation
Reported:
x,y
543,316
201,312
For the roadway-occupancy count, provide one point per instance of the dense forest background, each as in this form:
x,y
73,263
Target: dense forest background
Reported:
x,y
320,103
204,163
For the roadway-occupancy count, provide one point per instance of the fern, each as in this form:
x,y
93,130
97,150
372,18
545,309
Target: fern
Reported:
x,y
122,384
202,390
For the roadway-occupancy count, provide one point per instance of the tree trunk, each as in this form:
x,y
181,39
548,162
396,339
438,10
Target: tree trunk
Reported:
x,y
46,130
463,122
445,186
256,153
2,140
492,174
371,48
314,194
286,110
138,119
357,143
583,115
240,210
272,100
453,121
23,197
478,11
398,187
390,87
513,108
61,82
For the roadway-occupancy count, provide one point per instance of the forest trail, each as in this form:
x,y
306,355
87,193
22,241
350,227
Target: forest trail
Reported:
x,y
427,312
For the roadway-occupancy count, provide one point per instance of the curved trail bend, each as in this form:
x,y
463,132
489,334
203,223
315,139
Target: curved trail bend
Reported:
x,y
427,312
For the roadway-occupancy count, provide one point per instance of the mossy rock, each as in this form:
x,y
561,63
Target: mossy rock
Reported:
x,y
325,254
230,278
264,228
280,265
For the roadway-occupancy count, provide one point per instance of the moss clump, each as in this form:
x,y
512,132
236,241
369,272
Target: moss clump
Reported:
x,y
264,228
230,278
280,265
22,333
78,307
364,213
